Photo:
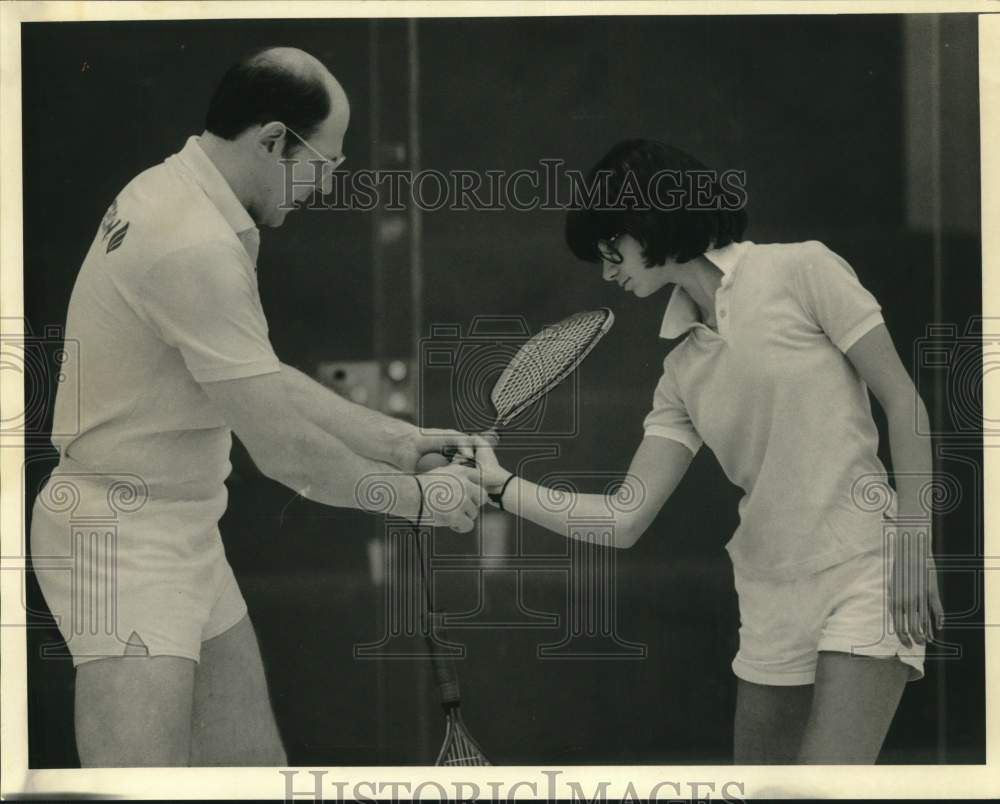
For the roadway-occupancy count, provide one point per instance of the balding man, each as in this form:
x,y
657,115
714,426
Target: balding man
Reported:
x,y
174,355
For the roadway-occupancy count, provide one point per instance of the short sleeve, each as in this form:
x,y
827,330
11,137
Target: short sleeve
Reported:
x,y
832,295
203,300
669,417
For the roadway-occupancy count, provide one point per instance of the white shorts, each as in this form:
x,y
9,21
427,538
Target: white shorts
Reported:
x,y
152,583
784,624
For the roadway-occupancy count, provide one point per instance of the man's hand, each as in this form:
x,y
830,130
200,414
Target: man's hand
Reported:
x,y
914,599
412,445
452,497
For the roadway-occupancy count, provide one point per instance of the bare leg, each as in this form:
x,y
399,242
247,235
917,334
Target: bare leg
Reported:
x,y
134,711
854,701
233,723
769,723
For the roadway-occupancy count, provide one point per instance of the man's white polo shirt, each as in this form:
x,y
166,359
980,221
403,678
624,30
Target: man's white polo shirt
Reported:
x,y
166,298
774,397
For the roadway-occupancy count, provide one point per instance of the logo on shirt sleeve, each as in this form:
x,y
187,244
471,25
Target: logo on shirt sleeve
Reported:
x,y
113,229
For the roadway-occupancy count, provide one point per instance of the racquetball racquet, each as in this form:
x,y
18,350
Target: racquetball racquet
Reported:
x,y
458,746
542,362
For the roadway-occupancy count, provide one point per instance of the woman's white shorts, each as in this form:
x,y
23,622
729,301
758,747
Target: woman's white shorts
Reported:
x,y
845,608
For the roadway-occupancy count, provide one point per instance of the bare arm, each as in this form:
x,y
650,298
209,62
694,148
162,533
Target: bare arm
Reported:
x,y
294,451
875,358
366,432
657,467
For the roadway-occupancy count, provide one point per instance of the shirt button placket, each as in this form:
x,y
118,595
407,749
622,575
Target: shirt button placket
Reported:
x,y
722,310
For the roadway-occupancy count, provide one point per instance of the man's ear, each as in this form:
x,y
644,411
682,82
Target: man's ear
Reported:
x,y
270,135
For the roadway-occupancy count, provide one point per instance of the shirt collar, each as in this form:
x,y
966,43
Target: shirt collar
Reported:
x,y
682,312
196,162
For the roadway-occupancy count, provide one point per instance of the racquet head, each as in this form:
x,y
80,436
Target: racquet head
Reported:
x,y
459,748
542,362
545,360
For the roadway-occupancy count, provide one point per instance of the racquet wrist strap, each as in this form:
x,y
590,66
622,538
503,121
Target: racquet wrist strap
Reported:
x,y
498,497
420,505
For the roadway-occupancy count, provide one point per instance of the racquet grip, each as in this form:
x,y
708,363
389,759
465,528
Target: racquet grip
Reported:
x,y
445,674
433,460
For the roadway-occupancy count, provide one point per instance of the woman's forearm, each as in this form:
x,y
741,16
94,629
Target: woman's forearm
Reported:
x,y
596,518
911,457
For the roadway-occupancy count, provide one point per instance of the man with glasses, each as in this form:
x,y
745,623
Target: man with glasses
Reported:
x,y
175,355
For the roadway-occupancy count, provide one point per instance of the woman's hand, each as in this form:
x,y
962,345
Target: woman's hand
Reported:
x,y
913,587
914,599
493,474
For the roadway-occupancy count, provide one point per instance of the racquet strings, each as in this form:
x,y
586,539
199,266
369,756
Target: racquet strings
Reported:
x,y
546,359
459,748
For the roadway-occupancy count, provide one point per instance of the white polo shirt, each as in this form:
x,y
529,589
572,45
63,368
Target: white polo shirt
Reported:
x,y
166,298
774,397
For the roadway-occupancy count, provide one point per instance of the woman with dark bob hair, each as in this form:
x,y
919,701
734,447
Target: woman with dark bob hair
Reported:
x,y
779,344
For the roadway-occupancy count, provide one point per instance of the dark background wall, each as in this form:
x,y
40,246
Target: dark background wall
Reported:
x,y
811,107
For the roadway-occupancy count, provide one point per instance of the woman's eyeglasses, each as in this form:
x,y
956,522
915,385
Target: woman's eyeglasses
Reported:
x,y
608,251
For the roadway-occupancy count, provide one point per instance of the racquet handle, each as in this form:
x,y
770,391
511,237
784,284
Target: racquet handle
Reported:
x,y
445,674
433,460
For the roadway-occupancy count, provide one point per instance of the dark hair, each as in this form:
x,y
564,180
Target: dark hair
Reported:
x,y
260,89
626,203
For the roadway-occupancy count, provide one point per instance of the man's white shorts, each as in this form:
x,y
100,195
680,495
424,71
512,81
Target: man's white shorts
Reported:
x,y
150,585
784,625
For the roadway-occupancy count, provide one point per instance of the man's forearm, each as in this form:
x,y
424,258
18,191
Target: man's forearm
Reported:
x,y
322,467
367,432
